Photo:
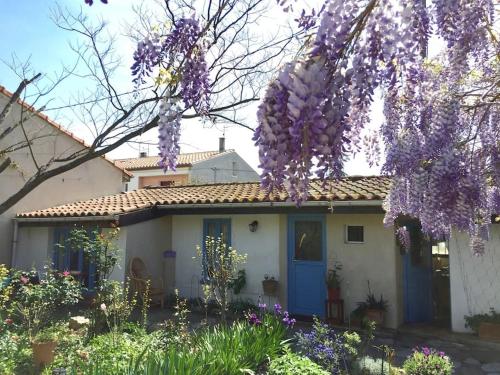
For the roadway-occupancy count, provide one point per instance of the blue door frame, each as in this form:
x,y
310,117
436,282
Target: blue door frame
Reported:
x,y
306,278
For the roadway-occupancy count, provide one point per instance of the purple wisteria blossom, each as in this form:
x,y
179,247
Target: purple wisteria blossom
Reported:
x,y
181,53
441,128
169,125
91,2
403,236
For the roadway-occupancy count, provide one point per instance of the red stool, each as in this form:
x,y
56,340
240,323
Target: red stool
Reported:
x,y
337,306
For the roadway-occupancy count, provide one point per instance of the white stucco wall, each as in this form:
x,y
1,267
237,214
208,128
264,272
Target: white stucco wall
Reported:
x,y
95,178
474,280
375,260
148,240
34,248
262,248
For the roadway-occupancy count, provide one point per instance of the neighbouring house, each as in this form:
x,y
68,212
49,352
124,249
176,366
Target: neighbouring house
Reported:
x,y
433,282
48,140
192,168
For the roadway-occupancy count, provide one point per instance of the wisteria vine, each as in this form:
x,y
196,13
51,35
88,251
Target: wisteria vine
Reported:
x,y
441,132
178,57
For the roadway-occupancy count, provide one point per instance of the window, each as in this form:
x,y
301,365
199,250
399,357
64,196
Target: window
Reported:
x,y
167,183
215,228
65,258
354,234
308,240
235,169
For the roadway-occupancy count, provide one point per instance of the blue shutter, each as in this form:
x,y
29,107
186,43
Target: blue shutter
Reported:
x,y
214,228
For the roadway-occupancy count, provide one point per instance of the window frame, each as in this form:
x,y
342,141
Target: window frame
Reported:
x,y
346,234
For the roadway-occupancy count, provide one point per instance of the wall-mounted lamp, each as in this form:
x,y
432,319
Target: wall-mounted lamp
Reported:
x,y
253,226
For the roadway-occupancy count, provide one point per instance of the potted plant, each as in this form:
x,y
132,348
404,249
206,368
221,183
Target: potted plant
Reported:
x,y
270,286
333,282
43,345
375,308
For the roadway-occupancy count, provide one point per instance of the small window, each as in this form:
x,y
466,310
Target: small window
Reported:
x,y
126,187
167,183
235,169
355,234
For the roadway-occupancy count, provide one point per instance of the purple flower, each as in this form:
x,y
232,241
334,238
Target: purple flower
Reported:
x,y
262,306
277,309
254,320
287,321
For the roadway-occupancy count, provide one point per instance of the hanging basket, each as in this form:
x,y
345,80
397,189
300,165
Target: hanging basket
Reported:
x,y
270,287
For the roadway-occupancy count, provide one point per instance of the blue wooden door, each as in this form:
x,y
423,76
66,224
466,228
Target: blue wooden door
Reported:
x,y
306,264
417,273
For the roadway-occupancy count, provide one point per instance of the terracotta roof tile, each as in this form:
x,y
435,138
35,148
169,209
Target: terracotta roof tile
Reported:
x,y
183,160
348,188
46,118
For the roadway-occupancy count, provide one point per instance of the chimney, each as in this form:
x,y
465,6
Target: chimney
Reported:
x,y
222,144
143,154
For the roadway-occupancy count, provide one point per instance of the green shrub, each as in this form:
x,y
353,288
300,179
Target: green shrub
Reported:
x,y
428,362
223,349
15,354
111,353
473,321
371,366
240,306
294,364
35,302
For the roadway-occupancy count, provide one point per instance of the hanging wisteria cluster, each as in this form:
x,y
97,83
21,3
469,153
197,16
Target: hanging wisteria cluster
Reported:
x,y
180,55
441,132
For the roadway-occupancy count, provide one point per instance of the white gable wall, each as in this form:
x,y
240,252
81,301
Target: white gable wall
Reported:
x,y
474,280
95,178
203,172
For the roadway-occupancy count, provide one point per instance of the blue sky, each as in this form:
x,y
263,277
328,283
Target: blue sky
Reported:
x,y
29,33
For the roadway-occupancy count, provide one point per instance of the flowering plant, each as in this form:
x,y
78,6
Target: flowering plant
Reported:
x,y
100,248
327,348
219,265
35,300
428,361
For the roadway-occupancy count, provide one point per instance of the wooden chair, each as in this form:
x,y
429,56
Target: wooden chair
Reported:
x,y
139,279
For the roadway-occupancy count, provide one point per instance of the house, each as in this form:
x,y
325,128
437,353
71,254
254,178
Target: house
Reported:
x,y
48,140
341,222
192,168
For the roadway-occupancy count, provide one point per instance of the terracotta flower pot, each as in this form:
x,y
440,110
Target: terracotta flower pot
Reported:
x,y
489,331
43,352
333,294
376,316
270,287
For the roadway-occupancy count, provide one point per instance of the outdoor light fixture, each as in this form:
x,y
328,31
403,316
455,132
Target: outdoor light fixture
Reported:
x,y
253,226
